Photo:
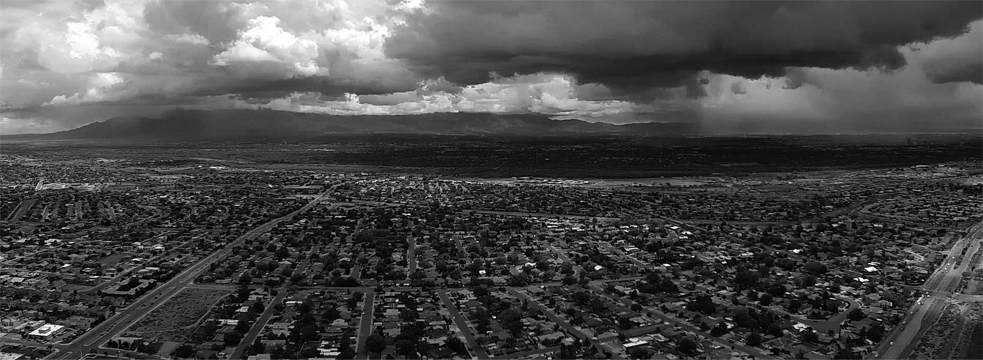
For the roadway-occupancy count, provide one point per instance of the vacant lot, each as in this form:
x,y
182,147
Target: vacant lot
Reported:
x,y
178,315
974,287
114,259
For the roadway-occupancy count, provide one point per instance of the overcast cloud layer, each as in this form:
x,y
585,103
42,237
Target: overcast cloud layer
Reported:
x,y
728,66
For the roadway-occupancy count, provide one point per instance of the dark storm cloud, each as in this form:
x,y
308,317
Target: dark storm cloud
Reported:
x,y
632,45
831,63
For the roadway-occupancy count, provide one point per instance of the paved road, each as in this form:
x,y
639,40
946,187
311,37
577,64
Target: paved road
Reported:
x,y
495,212
216,287
559,321
365,325
834,322
940,286
654,312
122,275
35,253
257,327
522,354
562,254
411,255
158,296
473,347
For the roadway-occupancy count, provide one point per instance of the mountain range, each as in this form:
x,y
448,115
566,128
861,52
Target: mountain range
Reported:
x,y
191,125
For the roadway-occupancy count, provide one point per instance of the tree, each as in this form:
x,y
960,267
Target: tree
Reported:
x,y
746,279
282,252
776,289
719,330
704,304
746,318
794,305
856,314
815,267
568,352
456,345
305,307
346,352
245,279
481,318
666,285
346,281
686,346
184,351
511,320
624,323
304,329
775,330
408,315
278,352
258,347
876,333
765,299
518,280
810,336
846,354
406,347
330,314
232,338
257,307
298,277
309,352
375,343
639,352
754,339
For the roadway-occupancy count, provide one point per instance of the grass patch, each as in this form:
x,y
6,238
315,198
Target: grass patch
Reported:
x,y
173,320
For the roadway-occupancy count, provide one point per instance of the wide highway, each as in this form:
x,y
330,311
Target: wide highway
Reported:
x,y
938,288
108,329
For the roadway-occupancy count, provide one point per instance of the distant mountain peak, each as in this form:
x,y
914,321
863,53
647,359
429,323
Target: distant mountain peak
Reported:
x,y
190,125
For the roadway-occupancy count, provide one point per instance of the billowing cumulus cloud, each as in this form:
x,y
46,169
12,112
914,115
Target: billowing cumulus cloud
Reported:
x,y
100,88
553,94
264,44
171,49
728,65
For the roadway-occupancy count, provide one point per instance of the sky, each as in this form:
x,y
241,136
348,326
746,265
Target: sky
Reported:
x,y
729,67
